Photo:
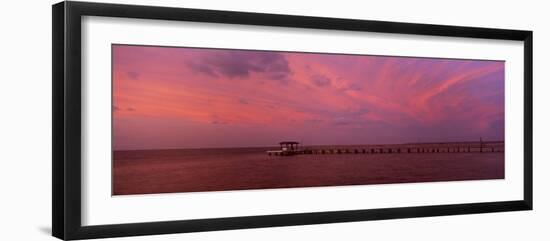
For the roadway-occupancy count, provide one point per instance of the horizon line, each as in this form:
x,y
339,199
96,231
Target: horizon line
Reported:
x,y
242,147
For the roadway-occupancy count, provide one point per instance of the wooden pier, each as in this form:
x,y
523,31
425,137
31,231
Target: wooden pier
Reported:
x,y
471,147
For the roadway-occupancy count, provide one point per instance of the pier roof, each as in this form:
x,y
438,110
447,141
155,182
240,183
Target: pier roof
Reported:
x,y
288,143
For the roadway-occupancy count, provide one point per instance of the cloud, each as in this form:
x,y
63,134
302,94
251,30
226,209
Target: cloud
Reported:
x,y
216,120
342,121
244,101
133,75
203,69
240,64
116,108
320,80
351,117
313,121
354,86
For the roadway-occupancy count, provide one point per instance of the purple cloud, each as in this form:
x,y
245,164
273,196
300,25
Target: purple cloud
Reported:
x,y
133,75
241,64
320,80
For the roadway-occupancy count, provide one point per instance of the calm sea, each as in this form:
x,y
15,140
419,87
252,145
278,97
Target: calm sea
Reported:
x,y
193,170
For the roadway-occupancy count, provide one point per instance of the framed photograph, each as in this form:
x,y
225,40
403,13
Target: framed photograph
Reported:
x,y
169,120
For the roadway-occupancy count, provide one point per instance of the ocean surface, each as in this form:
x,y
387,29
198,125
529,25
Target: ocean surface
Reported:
x,y
194,170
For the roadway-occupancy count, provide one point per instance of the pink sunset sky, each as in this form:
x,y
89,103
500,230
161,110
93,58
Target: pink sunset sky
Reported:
x,y
167,97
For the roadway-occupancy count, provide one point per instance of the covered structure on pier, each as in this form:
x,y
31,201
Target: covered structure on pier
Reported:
x,y
287,148
289,145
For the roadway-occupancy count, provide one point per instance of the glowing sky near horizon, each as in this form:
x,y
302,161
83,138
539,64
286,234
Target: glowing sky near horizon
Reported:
x,y
167,97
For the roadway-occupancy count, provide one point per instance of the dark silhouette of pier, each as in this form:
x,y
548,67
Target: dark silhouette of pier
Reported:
x,y
411,148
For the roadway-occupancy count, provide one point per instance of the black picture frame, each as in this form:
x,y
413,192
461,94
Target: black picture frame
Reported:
x,y
66,158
